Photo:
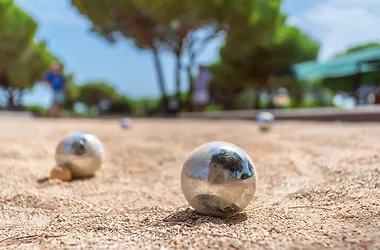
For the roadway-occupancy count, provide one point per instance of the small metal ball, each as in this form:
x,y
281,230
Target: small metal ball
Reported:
x,y
218,179
125,122
265,120
81,152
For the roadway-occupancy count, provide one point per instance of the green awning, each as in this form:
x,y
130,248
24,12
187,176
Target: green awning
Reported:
x,y
369,60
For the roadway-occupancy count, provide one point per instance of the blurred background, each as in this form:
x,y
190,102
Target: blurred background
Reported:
x,y
143,58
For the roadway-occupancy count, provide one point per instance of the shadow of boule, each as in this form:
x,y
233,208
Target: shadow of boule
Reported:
x,y
191,217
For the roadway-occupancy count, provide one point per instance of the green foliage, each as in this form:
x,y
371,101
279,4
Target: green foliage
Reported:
x,y
261,49
120,105
170,25
214,108
117,19
30,67
310,104
125,20
17,31
253,66
77,114
149,24
23,61
93,93
144,106
244,100
72,92
292,46
36,109
183,96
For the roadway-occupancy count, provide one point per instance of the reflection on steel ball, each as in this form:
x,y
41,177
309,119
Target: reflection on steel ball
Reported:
x,y
265,120
126,122
81,152
218,179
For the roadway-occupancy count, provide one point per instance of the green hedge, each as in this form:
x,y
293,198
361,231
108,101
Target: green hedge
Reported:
x,y
36,109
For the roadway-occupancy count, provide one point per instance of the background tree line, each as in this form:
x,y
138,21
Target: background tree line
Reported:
x,y
258,54
24,63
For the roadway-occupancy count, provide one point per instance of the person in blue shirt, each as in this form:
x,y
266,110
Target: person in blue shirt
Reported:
x,y
57,82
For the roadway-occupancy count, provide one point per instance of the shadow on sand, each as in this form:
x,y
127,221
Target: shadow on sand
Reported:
x,y
44,180
191,218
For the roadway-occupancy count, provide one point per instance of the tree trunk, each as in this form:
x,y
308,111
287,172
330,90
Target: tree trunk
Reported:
x,y
11,99
357,82
256,104
178,79
161,81
20,96
298,98
228,104
229,99
271,104
190,91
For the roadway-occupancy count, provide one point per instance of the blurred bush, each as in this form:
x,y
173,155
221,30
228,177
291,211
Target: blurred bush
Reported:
x,y
36,110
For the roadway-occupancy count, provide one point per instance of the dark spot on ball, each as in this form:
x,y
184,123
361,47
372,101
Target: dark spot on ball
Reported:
x,y
213,203
79,148
244,176
229,160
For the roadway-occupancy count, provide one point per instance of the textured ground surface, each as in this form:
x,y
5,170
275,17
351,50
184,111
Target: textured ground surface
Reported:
x,y
318,187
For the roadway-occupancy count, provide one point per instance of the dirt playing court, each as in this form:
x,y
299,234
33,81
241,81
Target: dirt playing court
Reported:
x,y
318,187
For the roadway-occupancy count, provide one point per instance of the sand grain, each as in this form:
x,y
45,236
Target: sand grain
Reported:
x,y
318,187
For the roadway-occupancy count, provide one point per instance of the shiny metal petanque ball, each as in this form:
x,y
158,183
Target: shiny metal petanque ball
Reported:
x,y
218,179
126,122
81,152
265,120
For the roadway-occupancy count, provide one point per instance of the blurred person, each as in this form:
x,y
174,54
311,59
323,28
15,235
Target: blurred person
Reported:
x,y
365,95
202,89
281,99
57,82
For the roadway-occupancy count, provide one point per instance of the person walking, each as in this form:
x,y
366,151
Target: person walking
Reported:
x,y
202,89
57,82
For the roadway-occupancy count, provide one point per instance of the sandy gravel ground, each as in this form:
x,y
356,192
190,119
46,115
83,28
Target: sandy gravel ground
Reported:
x,y
318,187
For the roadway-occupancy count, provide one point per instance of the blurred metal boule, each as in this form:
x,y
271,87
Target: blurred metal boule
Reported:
x,y
125,122
265,120
218,179
81,152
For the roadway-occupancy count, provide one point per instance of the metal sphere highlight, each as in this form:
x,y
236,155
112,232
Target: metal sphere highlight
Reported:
x,y
218,179
81,152
265,120
126,122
